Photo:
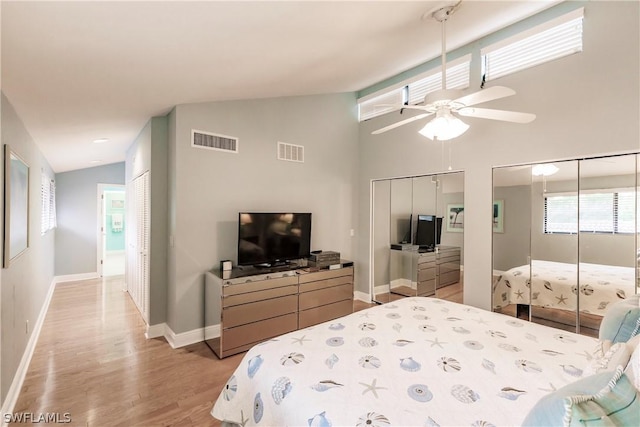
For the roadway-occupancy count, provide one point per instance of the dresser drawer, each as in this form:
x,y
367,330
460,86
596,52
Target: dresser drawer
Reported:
x,y
325,274
426,274
325,296
324,313
426,288
246,335
259,285
448,268
245,298
322,284
260,310
449,278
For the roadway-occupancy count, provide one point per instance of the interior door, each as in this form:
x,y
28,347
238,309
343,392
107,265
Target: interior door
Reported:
x,y
138,248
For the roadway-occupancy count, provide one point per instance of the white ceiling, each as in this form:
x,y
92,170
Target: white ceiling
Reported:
x,y
81,70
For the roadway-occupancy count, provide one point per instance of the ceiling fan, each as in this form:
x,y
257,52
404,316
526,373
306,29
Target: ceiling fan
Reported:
x,y
447,103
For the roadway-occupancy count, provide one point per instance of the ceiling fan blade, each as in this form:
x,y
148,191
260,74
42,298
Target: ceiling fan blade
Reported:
x,y
505,116
400,123
486,95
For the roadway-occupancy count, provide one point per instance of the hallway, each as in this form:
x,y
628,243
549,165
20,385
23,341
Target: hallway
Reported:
x,y
93,362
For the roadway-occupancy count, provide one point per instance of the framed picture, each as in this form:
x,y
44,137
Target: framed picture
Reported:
x,y
16,206
498,216
455,218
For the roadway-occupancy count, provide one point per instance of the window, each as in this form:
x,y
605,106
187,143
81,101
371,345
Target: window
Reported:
x,y
457,78
413,91
552,40
48,201
600,212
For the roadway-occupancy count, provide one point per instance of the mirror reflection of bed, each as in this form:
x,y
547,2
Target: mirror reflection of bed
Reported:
x,y
544,270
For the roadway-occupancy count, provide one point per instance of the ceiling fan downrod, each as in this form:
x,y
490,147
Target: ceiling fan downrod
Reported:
x,y
441,15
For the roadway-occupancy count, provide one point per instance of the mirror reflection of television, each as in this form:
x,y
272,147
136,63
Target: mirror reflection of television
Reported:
x,y
428,231
273,238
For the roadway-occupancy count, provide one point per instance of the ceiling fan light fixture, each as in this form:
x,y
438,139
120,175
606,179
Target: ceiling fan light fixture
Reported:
x,y
444,126
544,169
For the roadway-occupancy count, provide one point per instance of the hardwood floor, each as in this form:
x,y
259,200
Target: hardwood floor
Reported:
x,y
93,362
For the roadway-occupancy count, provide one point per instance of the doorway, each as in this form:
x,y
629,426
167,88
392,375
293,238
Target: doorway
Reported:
x,y
111,230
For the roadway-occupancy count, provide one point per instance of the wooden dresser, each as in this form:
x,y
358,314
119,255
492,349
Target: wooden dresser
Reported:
x,y
250,308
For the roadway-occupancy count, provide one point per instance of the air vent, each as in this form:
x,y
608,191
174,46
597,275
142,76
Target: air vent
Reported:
x,y
212,141
290,152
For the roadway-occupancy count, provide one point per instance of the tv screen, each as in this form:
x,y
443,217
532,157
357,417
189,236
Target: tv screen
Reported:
x,y
428,230
268,238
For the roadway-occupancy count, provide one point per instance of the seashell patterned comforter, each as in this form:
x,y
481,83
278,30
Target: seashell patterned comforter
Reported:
x,y
554,285
413,362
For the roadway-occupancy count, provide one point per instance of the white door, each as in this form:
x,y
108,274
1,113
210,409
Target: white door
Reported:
x,y
137,274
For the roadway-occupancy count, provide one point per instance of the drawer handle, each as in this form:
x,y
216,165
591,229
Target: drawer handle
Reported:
x,y
248,281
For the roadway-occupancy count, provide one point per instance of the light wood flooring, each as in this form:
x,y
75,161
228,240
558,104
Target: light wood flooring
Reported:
x,y
93,362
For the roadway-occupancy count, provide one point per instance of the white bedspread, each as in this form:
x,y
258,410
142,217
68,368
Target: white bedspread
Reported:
x,y
554,285
413,362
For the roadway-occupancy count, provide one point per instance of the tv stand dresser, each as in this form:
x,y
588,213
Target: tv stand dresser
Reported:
x,y
253,305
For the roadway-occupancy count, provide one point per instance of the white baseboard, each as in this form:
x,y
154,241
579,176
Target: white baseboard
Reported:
x,y
211,332
75,277
184,338
362,296
18,379
155,331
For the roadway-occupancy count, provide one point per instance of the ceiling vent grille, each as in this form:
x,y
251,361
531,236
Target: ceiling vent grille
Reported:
x,y
212,141
290,152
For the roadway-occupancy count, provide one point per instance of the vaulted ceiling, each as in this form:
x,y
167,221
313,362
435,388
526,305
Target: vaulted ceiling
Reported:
x,y
79,71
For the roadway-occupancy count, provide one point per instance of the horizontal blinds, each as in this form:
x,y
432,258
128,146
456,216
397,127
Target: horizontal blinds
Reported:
x,y
625,212
457,78
371,107
539,45
47,203
596,212
561,214
601,212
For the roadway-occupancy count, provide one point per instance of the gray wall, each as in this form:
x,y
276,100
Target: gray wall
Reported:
x,y
209,187
28,279
511,248
586,104
76,242
149,153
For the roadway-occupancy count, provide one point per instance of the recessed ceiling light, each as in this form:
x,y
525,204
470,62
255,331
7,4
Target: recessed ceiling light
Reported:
x,y
95,161
100,140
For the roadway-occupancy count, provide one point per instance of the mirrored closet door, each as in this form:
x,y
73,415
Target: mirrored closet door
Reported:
x,y
569,246
417,225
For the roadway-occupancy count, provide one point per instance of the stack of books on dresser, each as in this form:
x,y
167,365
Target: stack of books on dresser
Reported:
x,y
324,259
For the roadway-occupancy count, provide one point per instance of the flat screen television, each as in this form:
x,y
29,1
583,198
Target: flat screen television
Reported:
x,y
273,238
428,231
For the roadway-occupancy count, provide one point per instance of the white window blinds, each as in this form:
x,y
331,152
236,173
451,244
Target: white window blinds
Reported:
x,y
48,203
369,107
551,40
601,211
457,78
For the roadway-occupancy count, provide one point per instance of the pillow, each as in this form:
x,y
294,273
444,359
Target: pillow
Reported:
x,y
607,392
618,404
621,321
618,355
633,367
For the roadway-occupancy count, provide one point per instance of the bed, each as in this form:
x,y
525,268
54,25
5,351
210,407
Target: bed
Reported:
x,y
413,362
554,285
